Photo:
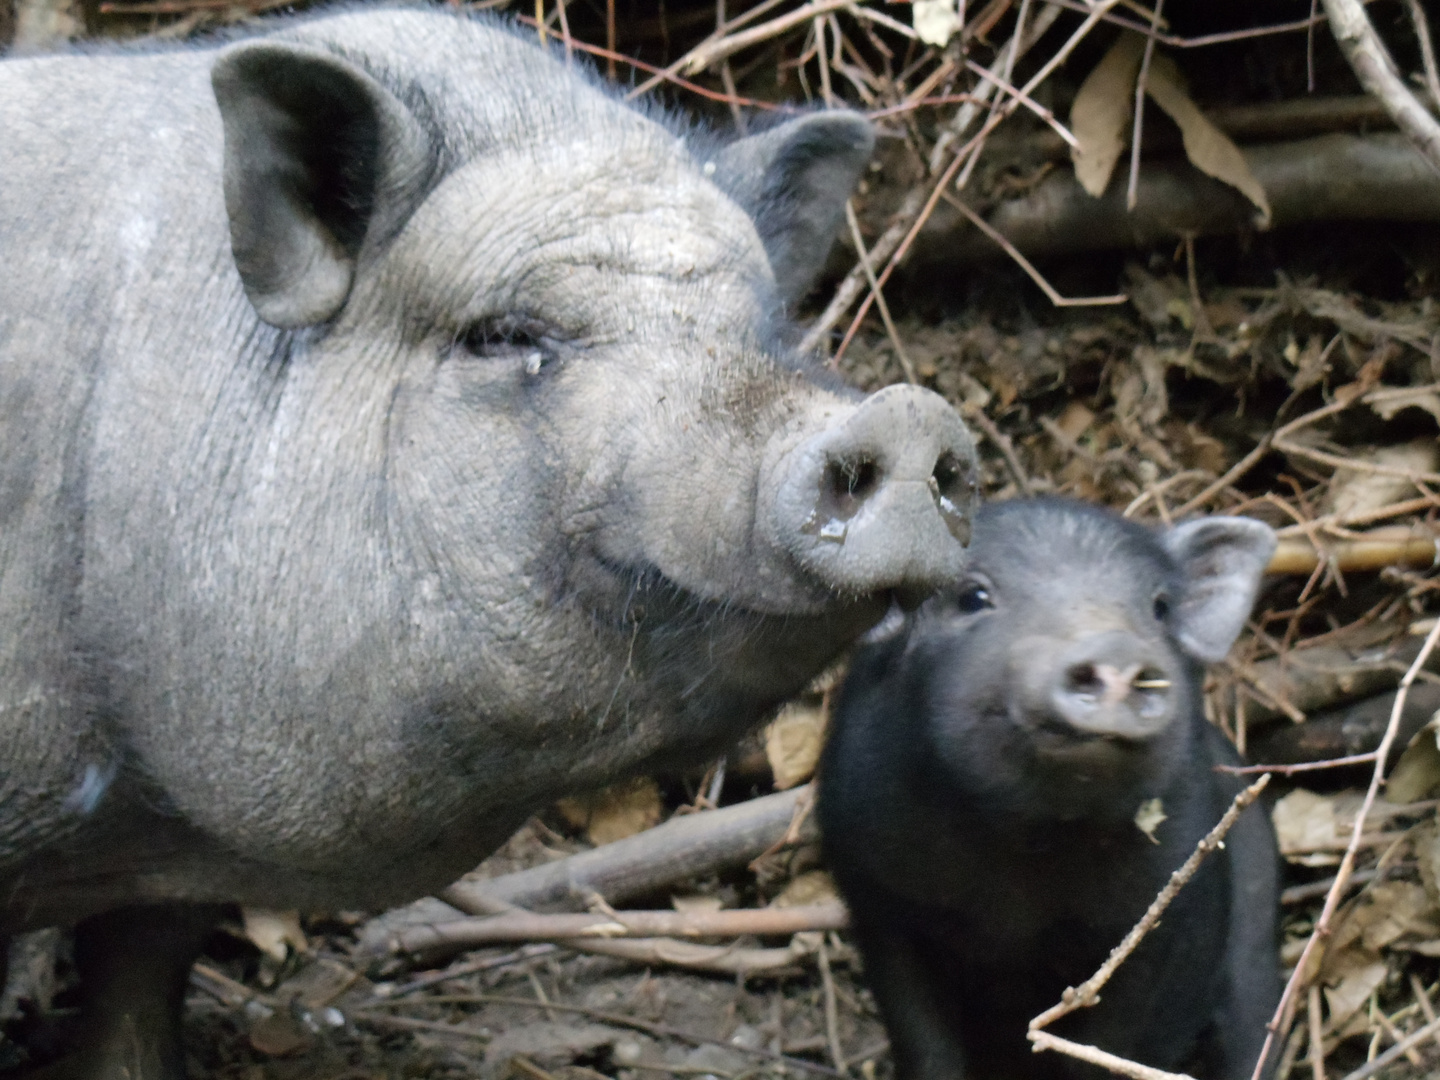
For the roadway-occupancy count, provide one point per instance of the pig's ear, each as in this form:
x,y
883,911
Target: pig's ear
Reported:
x,y
318,156
1222,560
794,180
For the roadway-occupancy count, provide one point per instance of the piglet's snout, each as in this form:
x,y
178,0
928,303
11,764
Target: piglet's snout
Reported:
x,y
1112,684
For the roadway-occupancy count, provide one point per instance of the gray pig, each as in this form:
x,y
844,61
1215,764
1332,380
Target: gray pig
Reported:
x,y
979,798
396,431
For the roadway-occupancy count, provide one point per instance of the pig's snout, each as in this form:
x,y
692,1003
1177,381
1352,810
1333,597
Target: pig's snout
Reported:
x,y
882,497
1111,684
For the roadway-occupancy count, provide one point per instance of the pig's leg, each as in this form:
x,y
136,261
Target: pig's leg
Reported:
x,y
133,964
921,1037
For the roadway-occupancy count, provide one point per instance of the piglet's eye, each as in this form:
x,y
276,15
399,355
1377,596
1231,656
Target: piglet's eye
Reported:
x,y
1161,608
973,597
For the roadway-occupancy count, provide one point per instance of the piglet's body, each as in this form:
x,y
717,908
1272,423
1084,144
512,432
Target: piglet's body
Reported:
x,y
980,792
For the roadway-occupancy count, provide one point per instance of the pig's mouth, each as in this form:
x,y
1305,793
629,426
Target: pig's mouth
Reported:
x,y
1056,737
645,592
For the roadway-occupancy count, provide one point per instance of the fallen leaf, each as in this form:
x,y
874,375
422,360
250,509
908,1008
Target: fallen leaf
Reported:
x,y
685,904
1356,491
1149,817
550,1045
793,742
274,933
1417,774
1394,910
1208,148
1075,420
935,21
279,1035
811,887
1415,397
615,812
1426,841
1304,822
1358,979
1101,115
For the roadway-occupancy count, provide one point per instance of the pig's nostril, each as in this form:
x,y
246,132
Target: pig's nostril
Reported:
x,y
953,488
1084,679
951,479
848,483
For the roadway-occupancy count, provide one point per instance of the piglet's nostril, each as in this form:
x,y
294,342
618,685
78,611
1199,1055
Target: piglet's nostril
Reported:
x,y
1109,684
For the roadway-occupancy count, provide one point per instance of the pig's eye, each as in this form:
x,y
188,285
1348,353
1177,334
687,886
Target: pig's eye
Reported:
x,y
510,337
1161,608
973,597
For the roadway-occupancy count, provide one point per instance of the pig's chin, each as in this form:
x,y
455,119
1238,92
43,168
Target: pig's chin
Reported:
x,y
619,584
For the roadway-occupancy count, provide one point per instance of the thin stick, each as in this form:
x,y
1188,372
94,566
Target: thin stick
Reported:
x,y
665,1031
1087,993
1427,49
1419,1035
1043,1040
1141,80
1025,264
610,39
565,32
915,202
1025,99
1316,1054
519,925
1305,766
1002,443
1377,73
963,156
1397,1036
1347,861
832,1015
880,303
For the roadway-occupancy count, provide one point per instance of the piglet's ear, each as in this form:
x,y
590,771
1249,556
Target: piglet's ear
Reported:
x,y
794,180
1222,560
318,157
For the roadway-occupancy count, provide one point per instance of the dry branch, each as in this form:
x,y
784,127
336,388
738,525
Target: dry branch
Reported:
x,y
1377,74
1328,178
1347,861
684,847
1088,992
1401,545
519,925
380,1008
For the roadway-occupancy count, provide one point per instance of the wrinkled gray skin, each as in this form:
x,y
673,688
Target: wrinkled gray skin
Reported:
x,y
979,790
397,430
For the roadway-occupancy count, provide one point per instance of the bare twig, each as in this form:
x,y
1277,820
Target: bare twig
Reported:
x,y
880,304
1141,81
1043,1040
376,1009
1029,268
1347,861
1415,1038
1087,993
518,925
914,206
1377,74
1427,48
832,1016
1398,546
1316,1055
